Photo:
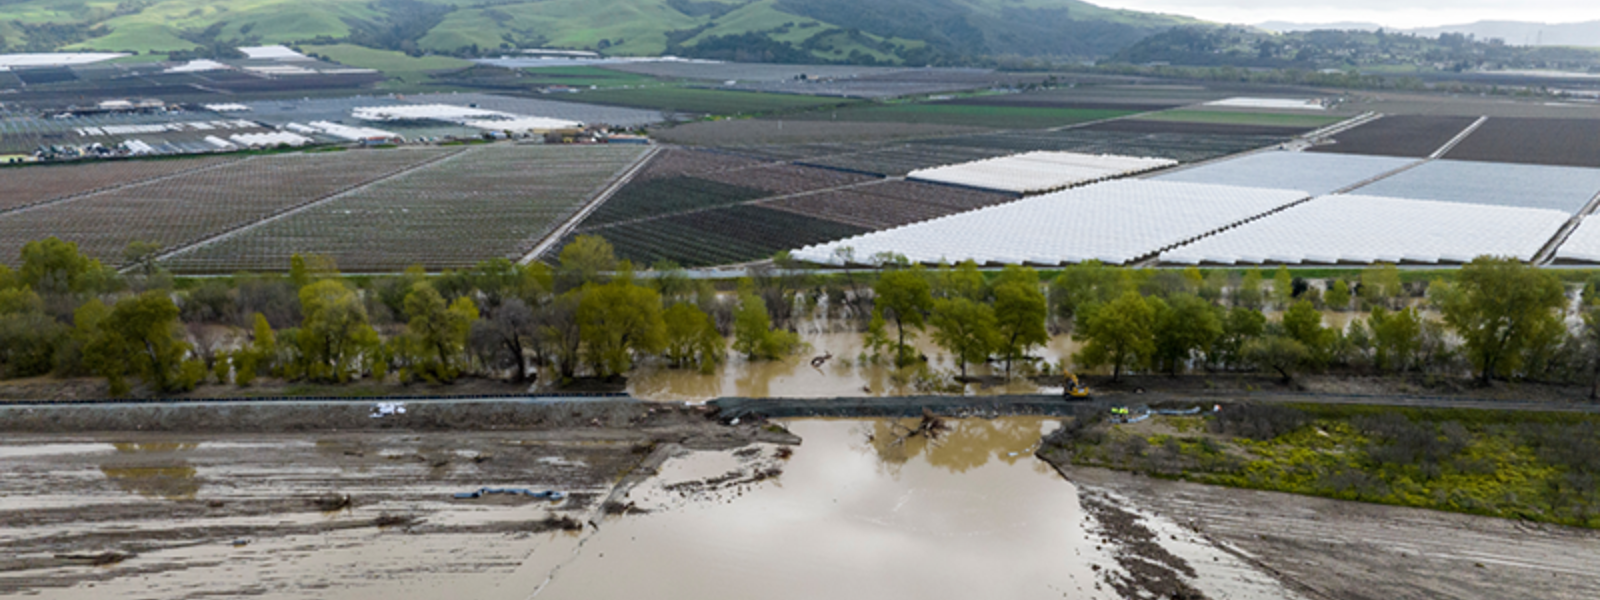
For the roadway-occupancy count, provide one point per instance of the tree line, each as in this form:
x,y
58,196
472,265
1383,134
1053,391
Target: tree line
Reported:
x,y
589,315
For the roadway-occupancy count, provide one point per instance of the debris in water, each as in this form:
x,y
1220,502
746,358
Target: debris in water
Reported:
x,y
330,502
481,492
103,558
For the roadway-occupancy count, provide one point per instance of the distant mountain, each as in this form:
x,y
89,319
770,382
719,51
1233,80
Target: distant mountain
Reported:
x,y
1517,33
1235,46
853,31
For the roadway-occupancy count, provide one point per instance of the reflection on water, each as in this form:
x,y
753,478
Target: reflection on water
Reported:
x,y
153,470
853,516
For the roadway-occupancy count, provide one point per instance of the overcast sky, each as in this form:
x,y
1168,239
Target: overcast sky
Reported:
x,y
1389,13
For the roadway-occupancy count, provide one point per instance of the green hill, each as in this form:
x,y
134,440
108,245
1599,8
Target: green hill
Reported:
x,y
881,31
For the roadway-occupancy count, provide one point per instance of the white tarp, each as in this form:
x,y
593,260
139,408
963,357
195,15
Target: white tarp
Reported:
x,y
1034,172
56,59
276,52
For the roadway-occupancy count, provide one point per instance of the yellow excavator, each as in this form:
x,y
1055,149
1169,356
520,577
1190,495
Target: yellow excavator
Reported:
x,y
1072,389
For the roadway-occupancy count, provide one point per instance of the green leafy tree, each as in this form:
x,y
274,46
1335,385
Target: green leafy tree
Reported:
x,y
1381,285
1496,305
1302,322
1020,311
584,261
1186,325
1277,353
1282,286
1212,286
1249,293
29,338
1239,327
53,267
260,356
966,329
141,337
1396,338
306,269
753,335
904,296
334,335
1338,296
436,334
1084,285
1120,334
961,281
617,320
692,338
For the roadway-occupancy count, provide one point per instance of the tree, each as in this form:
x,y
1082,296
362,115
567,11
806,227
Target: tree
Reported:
x,y
335,333
1282,286
1084,285
966,329
617,320
904,296
1302,322
692,338
436,334
1496,305
1276,353
962,281
307,269
29,339
558,328
1239,327
1396,338
1120,334
1249,293
753,334
259,357
142,255
584,261
1185,325
53,267
509,333
1338,296
1020,311
1380,284
141,337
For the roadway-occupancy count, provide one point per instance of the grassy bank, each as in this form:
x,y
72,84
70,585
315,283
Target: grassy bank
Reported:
x,y
1537,466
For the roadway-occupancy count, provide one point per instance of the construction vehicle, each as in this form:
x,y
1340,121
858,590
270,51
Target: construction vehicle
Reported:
x,y
1072,389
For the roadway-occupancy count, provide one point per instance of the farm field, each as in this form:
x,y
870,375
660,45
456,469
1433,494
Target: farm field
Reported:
x,y
642,199
888,204
1116,222
703,101
1413,136
1228,117
487,202
1316,174
1566,189
1184,148
191,207
585,77
727,235
755,132
779,179
1368,229
39,183
672,162
1019,117
398,65
901,159
1564,142
1141,126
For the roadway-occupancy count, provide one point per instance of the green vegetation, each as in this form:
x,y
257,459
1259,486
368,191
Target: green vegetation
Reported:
x,y
1527,465
1241,118
586,77
395,65
703,101
1002,117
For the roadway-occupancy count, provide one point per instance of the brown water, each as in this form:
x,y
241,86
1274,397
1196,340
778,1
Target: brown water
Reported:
x,y
860,513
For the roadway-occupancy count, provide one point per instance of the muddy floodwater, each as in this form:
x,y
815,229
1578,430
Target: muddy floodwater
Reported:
x,y
860,508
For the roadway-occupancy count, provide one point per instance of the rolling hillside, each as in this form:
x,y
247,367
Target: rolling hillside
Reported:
x,y
843,31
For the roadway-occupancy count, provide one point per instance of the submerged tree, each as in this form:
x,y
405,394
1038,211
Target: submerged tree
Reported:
x,y
1120,334
1497,305
966,329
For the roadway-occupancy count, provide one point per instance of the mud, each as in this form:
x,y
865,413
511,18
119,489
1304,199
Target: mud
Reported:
x,y
1332,549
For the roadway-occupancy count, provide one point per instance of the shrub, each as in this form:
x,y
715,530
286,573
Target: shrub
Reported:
x,y
1258,421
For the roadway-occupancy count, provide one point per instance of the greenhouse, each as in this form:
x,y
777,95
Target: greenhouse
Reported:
x,y
1371,229
1313,172
1114,222
1583,245
1528,186
1036,172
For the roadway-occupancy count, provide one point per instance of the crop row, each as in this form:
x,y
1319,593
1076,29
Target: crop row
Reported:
x,y
1563,142
668,195
787,179
1182,147
494,201
38,183
189,208
727,235
675,162
889,204
899,160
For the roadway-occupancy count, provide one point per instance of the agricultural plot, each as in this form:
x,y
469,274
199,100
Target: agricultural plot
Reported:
x,y
1144,126
888,204
1184,148
757,132
1228,117
901,159
1414,136
1316,174
703,101
33,184
1036,172
570,111
1115,222
787,179
1566,189
188,208
999,117
1368,229
674,162
488,202
1583,246
728,235
1563,142
668,195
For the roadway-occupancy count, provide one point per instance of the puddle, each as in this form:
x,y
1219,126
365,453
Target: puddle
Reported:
x,y
37,450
